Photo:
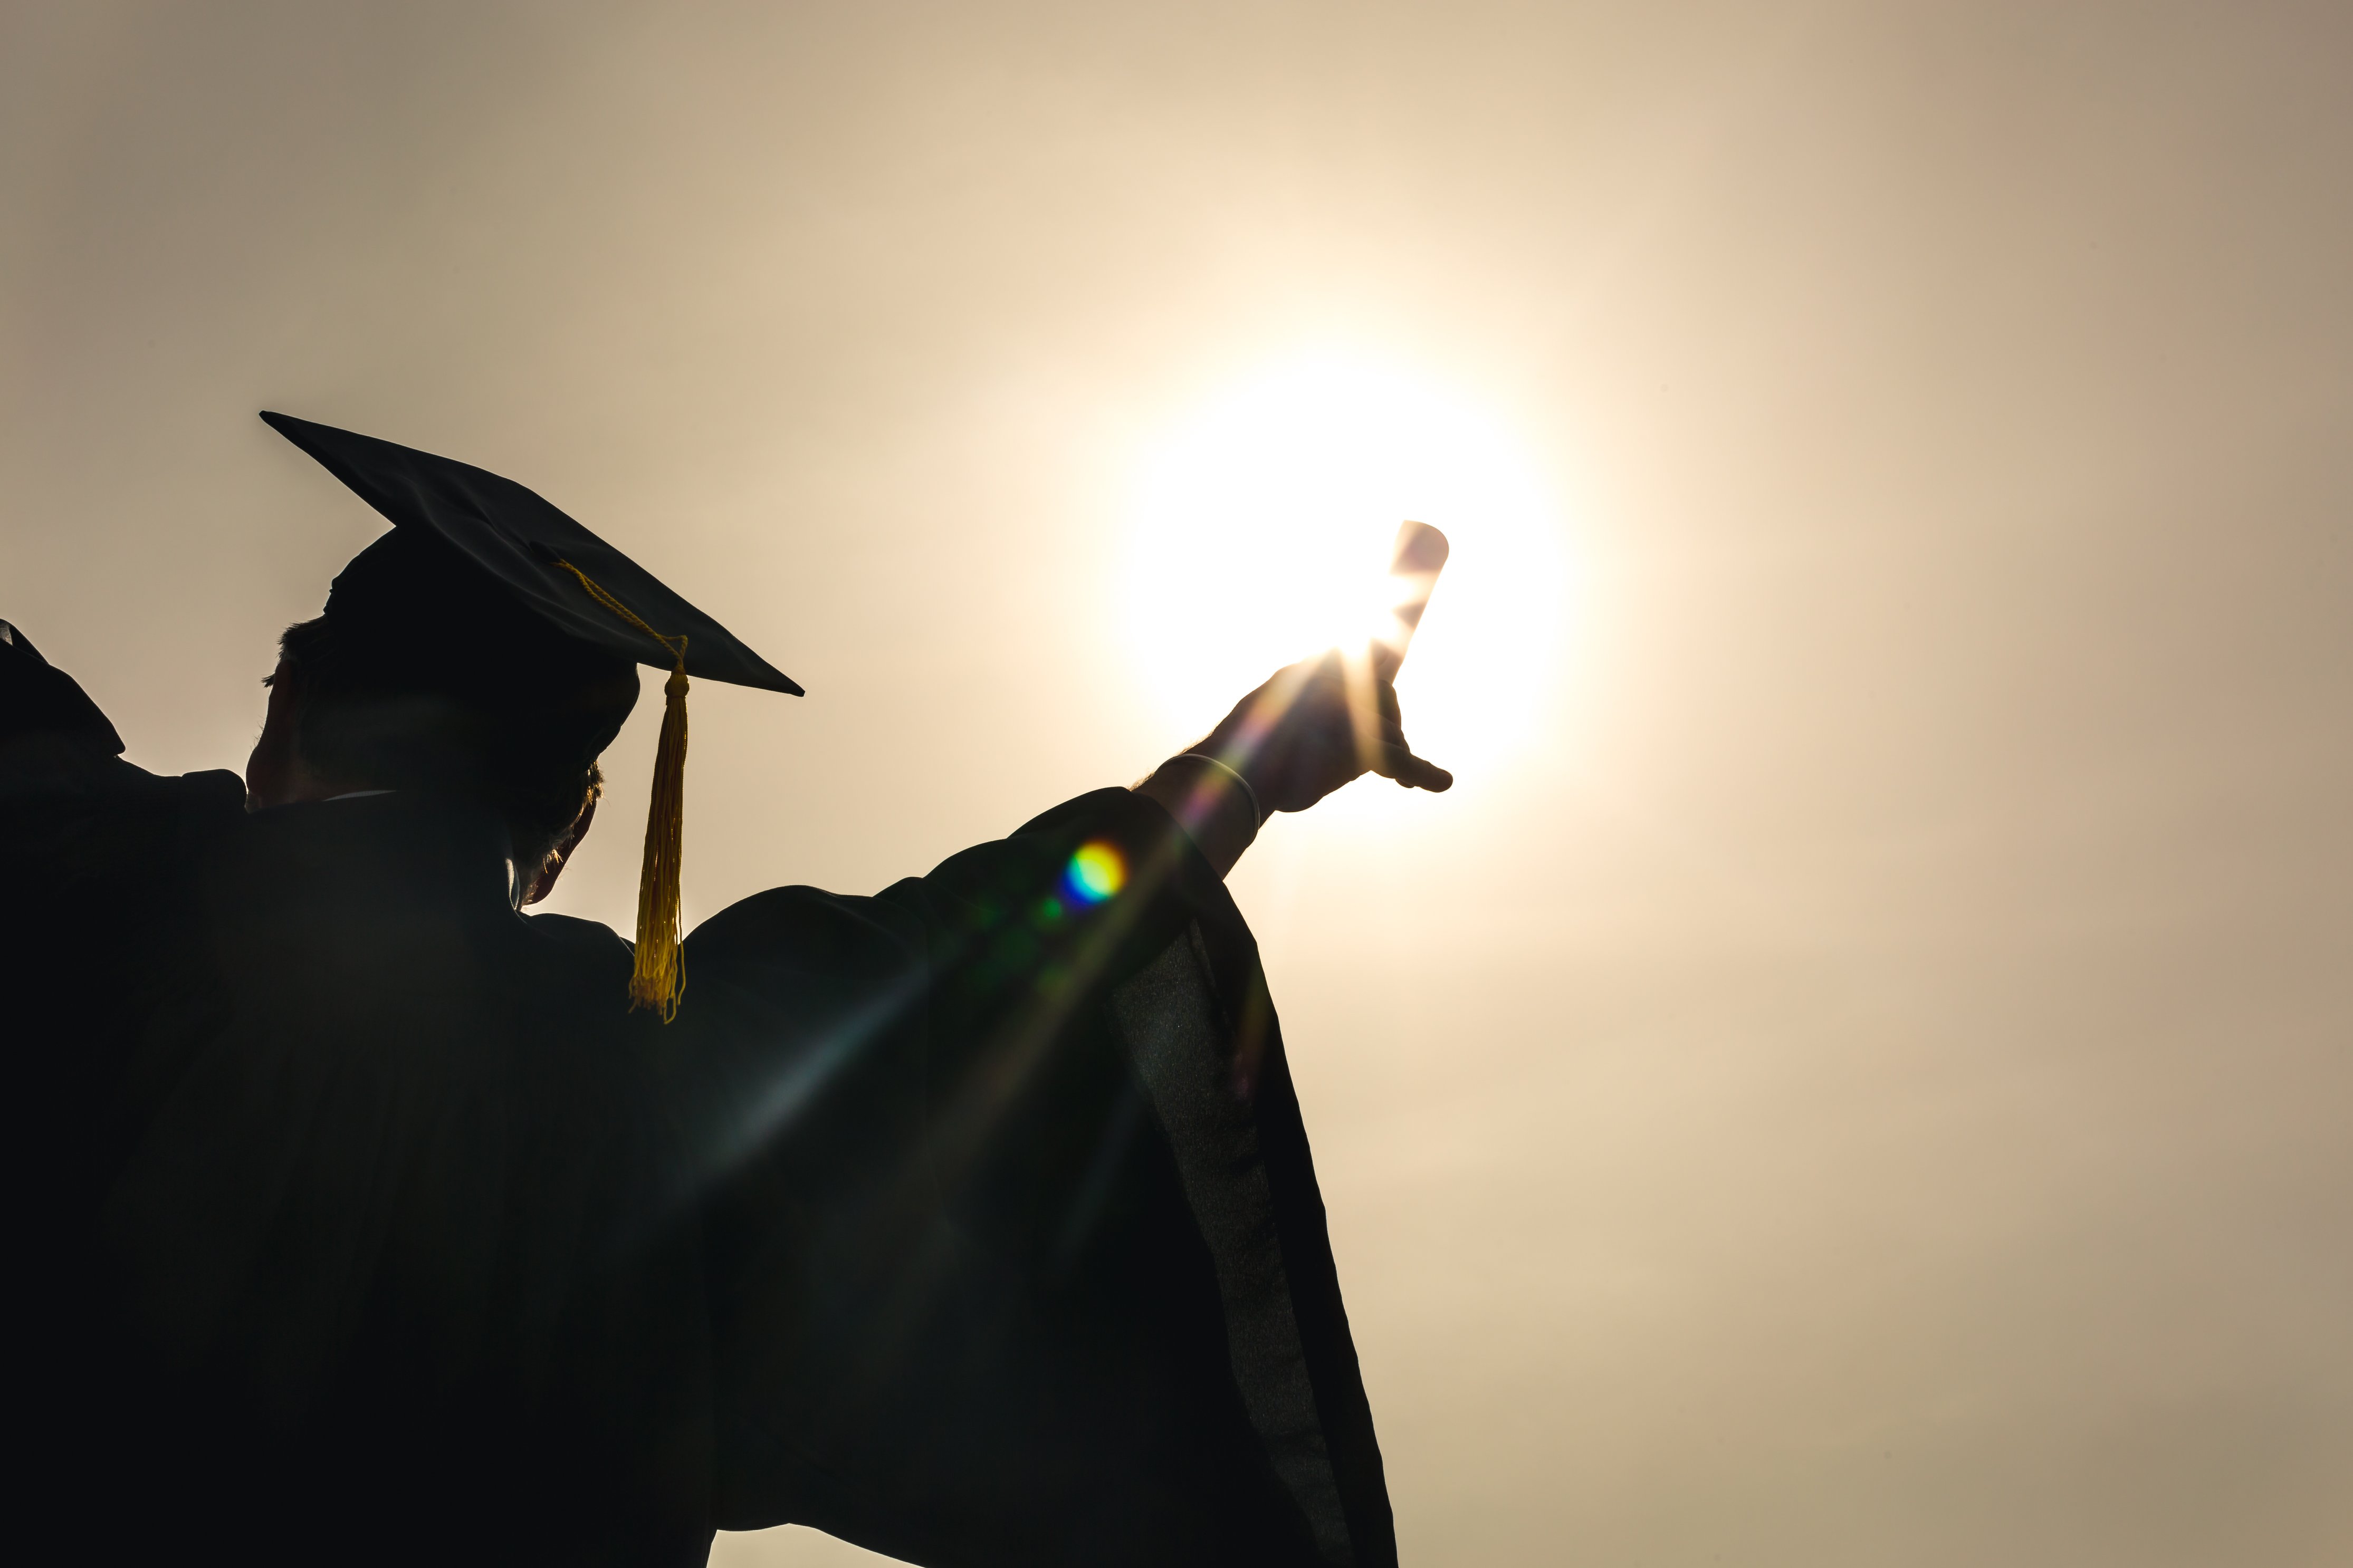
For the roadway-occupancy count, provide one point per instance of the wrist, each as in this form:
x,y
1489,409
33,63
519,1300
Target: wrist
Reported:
x,y
1221,775
1211,802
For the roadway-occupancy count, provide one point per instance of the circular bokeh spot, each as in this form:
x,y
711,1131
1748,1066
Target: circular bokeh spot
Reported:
x,y
1095,872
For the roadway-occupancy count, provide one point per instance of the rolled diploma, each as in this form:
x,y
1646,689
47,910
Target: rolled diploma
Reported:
x,y
1414,565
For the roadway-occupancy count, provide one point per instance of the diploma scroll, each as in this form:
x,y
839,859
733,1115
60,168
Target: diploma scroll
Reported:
x,y
1414,565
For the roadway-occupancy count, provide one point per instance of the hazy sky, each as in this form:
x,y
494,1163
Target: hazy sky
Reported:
x,y
1860,1071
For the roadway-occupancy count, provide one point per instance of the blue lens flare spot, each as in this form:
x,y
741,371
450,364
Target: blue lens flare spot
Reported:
x,y
1095,873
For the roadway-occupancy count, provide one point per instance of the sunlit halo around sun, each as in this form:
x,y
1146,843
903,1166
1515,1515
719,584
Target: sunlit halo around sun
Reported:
x,y
1260,534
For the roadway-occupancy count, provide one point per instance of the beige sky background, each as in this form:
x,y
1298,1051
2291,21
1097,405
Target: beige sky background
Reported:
x,y
1860,1072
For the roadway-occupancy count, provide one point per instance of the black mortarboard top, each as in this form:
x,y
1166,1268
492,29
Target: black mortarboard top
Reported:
x,y
572,581
518,539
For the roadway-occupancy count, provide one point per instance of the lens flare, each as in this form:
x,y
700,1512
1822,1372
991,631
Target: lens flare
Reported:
x,y
1095,873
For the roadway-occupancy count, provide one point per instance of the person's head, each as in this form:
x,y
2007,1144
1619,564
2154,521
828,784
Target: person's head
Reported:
x,y
424,679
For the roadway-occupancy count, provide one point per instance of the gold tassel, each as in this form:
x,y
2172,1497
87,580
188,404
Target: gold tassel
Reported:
x,y
659,978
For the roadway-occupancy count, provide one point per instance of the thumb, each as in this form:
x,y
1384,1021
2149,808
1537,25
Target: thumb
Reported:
x,y
1411,772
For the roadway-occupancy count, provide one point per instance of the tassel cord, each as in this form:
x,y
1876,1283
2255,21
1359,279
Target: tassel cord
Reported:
x,y
658,978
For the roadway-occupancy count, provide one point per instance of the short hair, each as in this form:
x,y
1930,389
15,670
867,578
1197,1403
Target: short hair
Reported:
x,y
519,732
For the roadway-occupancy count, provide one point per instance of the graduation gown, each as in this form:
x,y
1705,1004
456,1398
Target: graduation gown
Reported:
x,y
356,1219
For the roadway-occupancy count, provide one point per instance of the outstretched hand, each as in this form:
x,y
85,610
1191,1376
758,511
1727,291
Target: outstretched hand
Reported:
x,y
1313,727
1316,725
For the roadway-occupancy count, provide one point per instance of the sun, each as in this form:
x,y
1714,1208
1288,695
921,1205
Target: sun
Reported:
x,y
1260,531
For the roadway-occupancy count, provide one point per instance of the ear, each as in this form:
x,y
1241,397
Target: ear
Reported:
x,y
543,883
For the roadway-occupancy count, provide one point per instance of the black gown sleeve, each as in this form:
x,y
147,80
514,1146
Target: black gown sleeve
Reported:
x,y
1013,1238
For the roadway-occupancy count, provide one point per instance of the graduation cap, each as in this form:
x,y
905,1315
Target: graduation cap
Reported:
x,y
498,535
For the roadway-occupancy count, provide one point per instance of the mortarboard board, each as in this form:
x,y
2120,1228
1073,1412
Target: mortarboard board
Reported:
x,y
576,585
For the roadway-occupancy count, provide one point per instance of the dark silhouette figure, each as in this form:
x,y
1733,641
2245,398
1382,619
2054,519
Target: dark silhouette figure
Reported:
x,y
361,1216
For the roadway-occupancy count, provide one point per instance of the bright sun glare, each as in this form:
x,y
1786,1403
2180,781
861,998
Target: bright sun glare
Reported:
x,y
1262,530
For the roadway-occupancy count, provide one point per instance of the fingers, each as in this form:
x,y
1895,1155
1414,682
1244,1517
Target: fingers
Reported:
x,y
1379,730
1369,722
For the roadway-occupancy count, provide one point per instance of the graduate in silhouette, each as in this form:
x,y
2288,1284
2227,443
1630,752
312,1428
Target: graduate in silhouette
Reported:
x,y
361,1216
